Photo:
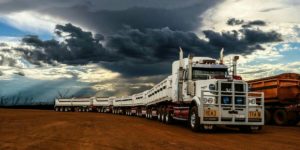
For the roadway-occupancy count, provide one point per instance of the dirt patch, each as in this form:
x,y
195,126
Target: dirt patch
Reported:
x,y
46,129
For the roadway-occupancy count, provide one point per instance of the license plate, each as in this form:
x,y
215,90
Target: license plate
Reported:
x,y
254,114
210,113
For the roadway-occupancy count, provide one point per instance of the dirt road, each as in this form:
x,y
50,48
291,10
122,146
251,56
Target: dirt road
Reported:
x,y
46,129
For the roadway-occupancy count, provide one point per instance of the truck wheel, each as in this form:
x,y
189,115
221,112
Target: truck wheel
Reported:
x,y
268,117
163,114
194,119
159,114
56,108
169,118
150,114
280,117
293,118
147,114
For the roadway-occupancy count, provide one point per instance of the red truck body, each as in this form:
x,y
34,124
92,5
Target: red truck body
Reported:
x,y
282,97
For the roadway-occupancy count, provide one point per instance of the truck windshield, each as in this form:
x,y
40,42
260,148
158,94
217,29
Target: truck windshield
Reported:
x,y
205,73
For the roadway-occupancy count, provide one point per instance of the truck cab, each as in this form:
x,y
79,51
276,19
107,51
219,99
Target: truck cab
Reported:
x,y
214,96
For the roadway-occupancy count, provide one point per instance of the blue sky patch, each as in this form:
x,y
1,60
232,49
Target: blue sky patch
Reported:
x,y
10,31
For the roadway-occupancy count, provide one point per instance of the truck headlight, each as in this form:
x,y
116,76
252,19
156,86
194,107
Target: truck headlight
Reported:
x,y
209,100
252,101
226,100
212,87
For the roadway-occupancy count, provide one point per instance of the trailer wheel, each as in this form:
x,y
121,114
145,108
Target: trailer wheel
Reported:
x,y
159,114
61,109
280,117
163,114
194,119
56,108
150,114
147,114
169,118
268,117
66,109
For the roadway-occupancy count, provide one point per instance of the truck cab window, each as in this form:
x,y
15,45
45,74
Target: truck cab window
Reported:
x,y
206,73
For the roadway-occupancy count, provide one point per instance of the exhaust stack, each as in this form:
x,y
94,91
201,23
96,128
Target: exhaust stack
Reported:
x,y
180,75
234,63
221,56
190,84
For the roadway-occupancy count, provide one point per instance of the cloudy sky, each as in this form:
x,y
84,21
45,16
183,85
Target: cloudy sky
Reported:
x,y
120,47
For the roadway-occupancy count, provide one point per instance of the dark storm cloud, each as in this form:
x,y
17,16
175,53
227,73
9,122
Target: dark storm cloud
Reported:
x,y
234,21
110,21
272,9
79,47
250,41
259,36
245,24
254,23
134,52
106,16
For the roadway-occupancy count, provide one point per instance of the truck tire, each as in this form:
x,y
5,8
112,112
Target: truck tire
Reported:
x,y
159,114
280,117
147,114
268,117
150,113
293,118
163,114
168,118
194,120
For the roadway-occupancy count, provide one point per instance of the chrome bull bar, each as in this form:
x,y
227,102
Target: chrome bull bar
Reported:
x,y
234,112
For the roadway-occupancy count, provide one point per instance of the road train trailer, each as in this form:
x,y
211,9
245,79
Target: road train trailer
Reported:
x,y
74,104
199,91
282,97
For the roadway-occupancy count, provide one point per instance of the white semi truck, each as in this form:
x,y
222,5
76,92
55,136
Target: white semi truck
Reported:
x,y
201,92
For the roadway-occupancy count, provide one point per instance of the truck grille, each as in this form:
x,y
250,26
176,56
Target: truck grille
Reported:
x,y
233,92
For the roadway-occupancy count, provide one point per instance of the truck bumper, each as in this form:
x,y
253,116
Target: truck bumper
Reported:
x,y
215,115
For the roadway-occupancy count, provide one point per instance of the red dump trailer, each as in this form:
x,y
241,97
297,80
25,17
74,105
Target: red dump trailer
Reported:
x,y
282,97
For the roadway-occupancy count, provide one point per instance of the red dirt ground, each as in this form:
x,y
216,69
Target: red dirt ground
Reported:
x,y
46,129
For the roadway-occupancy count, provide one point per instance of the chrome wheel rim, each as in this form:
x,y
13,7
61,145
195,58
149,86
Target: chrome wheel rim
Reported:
x,y
167,117
193,120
